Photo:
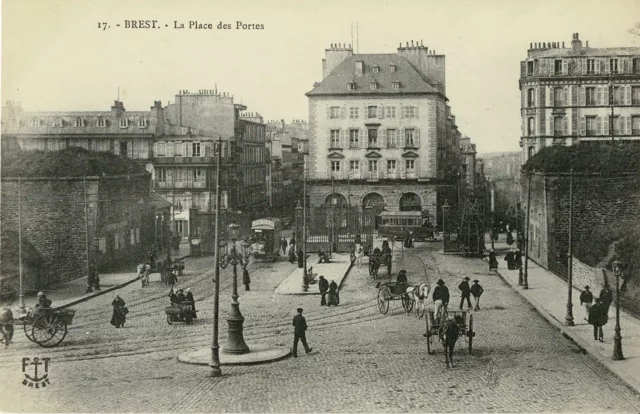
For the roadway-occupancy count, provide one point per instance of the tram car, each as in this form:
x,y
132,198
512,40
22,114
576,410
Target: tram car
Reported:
x,y
266,237
399,224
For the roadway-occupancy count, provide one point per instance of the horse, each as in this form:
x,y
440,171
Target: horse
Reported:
x,y
6,327
374,266
417,295
448,333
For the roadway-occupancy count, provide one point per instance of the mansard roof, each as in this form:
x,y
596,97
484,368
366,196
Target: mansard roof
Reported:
x,y
411,81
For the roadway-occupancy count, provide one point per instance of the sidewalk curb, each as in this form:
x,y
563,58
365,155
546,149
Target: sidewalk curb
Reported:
x,y
314,292
605,362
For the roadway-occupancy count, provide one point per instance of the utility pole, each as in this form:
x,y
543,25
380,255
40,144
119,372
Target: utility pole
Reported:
x,y
334,201
23,310
215,347
518,207
305,280
569,317
86,235
492,216
525,283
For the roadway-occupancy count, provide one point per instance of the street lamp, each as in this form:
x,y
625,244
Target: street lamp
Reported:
x,y
233,257
445,210
617,339
518,207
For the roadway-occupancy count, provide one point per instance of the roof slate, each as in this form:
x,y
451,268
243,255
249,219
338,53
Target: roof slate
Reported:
x,y
588,51
90,123
411,81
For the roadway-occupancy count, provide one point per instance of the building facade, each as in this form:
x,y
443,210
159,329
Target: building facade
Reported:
x,y
380,130
578,94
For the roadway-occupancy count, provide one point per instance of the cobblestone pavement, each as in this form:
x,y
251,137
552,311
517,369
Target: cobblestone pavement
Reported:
x,y
362,361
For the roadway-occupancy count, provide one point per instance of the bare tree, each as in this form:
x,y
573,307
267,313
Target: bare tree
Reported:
x,y
635,30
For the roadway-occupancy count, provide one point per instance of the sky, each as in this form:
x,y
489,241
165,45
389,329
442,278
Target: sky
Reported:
x,y
56,58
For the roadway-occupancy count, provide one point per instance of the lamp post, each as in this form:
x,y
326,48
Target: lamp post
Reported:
x,y
518,207
617,339
305,280
215,347
235,339
445,209
569,317
493,212
525,282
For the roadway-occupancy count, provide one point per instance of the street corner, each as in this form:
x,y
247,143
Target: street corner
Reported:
x,y
259,353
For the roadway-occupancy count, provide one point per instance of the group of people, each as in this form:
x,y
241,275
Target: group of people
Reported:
x,y
328,288
183,296
513,259
597,314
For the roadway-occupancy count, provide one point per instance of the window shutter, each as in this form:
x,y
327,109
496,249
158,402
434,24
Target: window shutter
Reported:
x,y
400,138
416,138
583,96
365,112
597,65
627,99
583,126
565,67
584,66
550,99
380,112
130,148
605,128
542,126
343,113
345,138
383,138
328,138
551,126
380,137
417,167
523,98
599,96
607,65
622,65
599,125
362,137
328,112
364,166
417,111
628,126
565,127
565,101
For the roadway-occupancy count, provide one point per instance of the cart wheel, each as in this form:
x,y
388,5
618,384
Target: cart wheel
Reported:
x,y
49,330
27,331
429,336
169,320
470,333
383,304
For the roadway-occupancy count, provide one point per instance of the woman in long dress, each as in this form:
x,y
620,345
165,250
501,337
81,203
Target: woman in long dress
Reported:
x,y
118,317
333,294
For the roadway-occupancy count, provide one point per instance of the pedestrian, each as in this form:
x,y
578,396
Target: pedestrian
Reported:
x,y
476,291
333,294
245,279
292,254
606,296
323,285
586,300
120,311
292,241
173,297
465,292
510,258
440,298
300,333
386,256
493,262
517,256
598,317
300,258
359,254
192,301
283,244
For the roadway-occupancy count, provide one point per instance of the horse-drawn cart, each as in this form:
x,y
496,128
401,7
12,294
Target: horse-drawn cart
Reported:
x,y
434,324
392,291
179,312
46,327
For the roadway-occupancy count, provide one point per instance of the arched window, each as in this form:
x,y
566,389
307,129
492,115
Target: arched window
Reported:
x,y
531,126
410,202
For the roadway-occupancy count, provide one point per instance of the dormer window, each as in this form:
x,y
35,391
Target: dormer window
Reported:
x,y
351,86
35,122
392,67
124,123
376,69
373,85
101,122
142,123
57,122
396,85
79,122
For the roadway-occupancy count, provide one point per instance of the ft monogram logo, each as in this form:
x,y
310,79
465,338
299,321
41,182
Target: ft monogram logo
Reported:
x,y
36,381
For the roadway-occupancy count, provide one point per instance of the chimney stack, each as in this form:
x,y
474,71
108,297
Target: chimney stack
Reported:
x,y
576,44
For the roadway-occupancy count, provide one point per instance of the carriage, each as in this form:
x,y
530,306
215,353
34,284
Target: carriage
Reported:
x,y
393,291
398,224
433,327
180,312
266,237
46,327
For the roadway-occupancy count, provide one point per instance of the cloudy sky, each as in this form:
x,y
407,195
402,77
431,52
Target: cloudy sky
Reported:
x,y
54,56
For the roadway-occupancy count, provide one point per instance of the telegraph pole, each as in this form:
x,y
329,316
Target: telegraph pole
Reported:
x,y
569,317
86,232
525,283
23,310
305,280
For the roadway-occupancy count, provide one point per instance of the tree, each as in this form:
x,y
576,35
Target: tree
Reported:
x,y
635,30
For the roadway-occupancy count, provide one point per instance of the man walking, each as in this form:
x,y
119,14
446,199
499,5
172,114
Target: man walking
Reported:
x,y
465,292
476,291
299,333
246,280
283,244
440,298
586,299
323,285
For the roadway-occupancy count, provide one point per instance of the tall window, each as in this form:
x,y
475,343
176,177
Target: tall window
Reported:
x,y
57,122
531,126
557,125
372,111
161,173
613,63
591,126
558,96
409,135
618,95
142,123
591,96
334,112
335,138
410,165
617,127
195,149
636,65
591,66
392,138
376,69
531,99
391,166
354,138
101,122
354,112
35,122
557,67
635,95
392,67
373,137
354,166
177,150
79,122
124,122
530,151
335,166
373,167
409,112
530,68
635,125
198,174
390,111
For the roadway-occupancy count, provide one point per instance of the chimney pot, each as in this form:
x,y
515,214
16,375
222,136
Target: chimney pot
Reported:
x,y
407,44
412,43
587,44
421,44
563,45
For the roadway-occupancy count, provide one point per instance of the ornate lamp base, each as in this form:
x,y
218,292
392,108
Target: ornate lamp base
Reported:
x,y
235,339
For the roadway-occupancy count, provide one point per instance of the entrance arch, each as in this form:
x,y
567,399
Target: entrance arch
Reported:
x,y
340,199
410,202
377,202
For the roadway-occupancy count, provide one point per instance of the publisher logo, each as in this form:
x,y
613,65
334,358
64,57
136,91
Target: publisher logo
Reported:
x,y
36,372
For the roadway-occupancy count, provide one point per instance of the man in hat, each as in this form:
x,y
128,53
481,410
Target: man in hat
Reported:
x,y
476,291
440,298
586,299
299,333
43,302
465,292
323,285
180,295
191,299
246,280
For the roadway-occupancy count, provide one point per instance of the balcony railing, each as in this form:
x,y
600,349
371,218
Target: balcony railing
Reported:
x,y
380,175
180,184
